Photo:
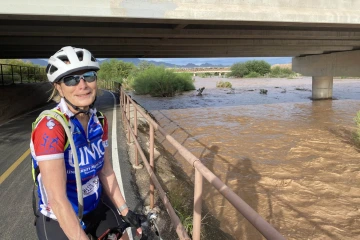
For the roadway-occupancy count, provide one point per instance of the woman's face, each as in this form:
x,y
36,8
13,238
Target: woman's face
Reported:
x,y
82,95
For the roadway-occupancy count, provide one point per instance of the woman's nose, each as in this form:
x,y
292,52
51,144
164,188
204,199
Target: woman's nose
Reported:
x,y
82,82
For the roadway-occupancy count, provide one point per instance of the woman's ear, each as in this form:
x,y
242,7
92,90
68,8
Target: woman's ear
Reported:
x,y
58,88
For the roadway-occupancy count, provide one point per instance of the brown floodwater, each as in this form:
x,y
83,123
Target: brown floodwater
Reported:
x,y
290,158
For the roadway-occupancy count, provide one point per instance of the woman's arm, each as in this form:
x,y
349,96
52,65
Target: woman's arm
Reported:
x,y
110,184
53,176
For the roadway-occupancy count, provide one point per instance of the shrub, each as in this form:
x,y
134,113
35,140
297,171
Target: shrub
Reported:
x,y
223,84
260,67
238,70
250,67
281,72
159,82
253,75
205,74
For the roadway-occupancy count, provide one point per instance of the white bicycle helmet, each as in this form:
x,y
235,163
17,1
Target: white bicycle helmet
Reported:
x,y
68,60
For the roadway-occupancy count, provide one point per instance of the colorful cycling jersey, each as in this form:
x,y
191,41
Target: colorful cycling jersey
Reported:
x,y
48,142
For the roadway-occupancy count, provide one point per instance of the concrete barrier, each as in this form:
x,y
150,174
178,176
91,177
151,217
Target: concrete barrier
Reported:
x,y
21,98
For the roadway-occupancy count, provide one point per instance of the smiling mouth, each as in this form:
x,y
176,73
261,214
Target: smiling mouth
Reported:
x,y
83,95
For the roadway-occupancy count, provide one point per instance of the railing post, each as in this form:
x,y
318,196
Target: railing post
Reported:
x,y
12,73
128,118
198,188
135,128
122,103
35,74
28,71
20,75
151,153
2,74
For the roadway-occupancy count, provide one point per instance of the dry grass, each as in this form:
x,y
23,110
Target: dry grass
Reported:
x,y
285,65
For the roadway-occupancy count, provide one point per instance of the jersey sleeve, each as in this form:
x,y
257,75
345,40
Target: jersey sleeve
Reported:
x,y
48,140
105,136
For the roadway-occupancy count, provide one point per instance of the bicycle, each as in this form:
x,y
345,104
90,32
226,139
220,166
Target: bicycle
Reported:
x,y
148,225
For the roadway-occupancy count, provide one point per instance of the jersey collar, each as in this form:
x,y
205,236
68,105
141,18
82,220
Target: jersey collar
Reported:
x,y
64,109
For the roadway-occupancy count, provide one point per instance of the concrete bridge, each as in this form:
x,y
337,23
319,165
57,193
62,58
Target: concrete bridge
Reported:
x,y
323,37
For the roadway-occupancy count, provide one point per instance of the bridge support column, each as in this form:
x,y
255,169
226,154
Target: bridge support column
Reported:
x,y
322,87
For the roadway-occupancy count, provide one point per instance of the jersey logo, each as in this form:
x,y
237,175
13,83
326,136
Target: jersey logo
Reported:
x,y
50,124
49,142
96,148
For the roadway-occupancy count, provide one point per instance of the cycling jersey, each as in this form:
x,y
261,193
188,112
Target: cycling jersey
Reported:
x,y
49,142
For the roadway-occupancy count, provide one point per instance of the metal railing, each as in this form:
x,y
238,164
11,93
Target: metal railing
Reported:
x,y
201,171
12,74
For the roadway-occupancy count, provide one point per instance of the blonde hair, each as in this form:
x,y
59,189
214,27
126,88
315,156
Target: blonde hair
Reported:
x,y
55,95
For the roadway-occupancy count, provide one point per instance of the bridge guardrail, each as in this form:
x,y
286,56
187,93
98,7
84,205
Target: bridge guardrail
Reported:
x,y
13,74
201,171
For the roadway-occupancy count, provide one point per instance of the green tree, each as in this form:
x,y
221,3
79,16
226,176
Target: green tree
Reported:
x,y
115,70
143,65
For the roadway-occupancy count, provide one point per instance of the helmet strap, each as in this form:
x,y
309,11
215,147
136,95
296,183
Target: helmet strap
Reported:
x,y
79,110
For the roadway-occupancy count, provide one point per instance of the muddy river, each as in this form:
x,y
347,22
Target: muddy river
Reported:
x,y
290,158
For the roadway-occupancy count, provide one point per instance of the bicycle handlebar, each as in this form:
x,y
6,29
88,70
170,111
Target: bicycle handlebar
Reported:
x,y
116,232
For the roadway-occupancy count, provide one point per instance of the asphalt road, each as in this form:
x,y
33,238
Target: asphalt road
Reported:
x,y
16,190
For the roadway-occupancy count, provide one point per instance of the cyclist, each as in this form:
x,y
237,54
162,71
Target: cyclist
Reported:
x,y
72,71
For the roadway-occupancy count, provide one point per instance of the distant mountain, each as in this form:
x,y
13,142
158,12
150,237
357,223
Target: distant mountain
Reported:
x,y
186,62
41,62
137,61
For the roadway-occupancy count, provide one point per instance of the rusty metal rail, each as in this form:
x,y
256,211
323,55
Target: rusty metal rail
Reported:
x,y
201,171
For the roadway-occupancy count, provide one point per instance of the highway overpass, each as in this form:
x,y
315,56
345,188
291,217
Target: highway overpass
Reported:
x,y
322,36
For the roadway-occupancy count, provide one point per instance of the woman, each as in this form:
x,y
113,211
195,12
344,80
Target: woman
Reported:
x,y
72,71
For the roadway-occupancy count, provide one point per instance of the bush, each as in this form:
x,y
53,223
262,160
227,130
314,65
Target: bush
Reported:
x,y
253,75
223,84
159,82
205,74
279,72
260,67
250,67
238,70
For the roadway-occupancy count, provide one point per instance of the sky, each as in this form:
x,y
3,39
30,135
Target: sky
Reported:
x,y
224,61
214,61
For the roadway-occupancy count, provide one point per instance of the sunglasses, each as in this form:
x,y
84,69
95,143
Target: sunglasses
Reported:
x,y
73,80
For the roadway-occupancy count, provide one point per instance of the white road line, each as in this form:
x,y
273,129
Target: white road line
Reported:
x,y
115,157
